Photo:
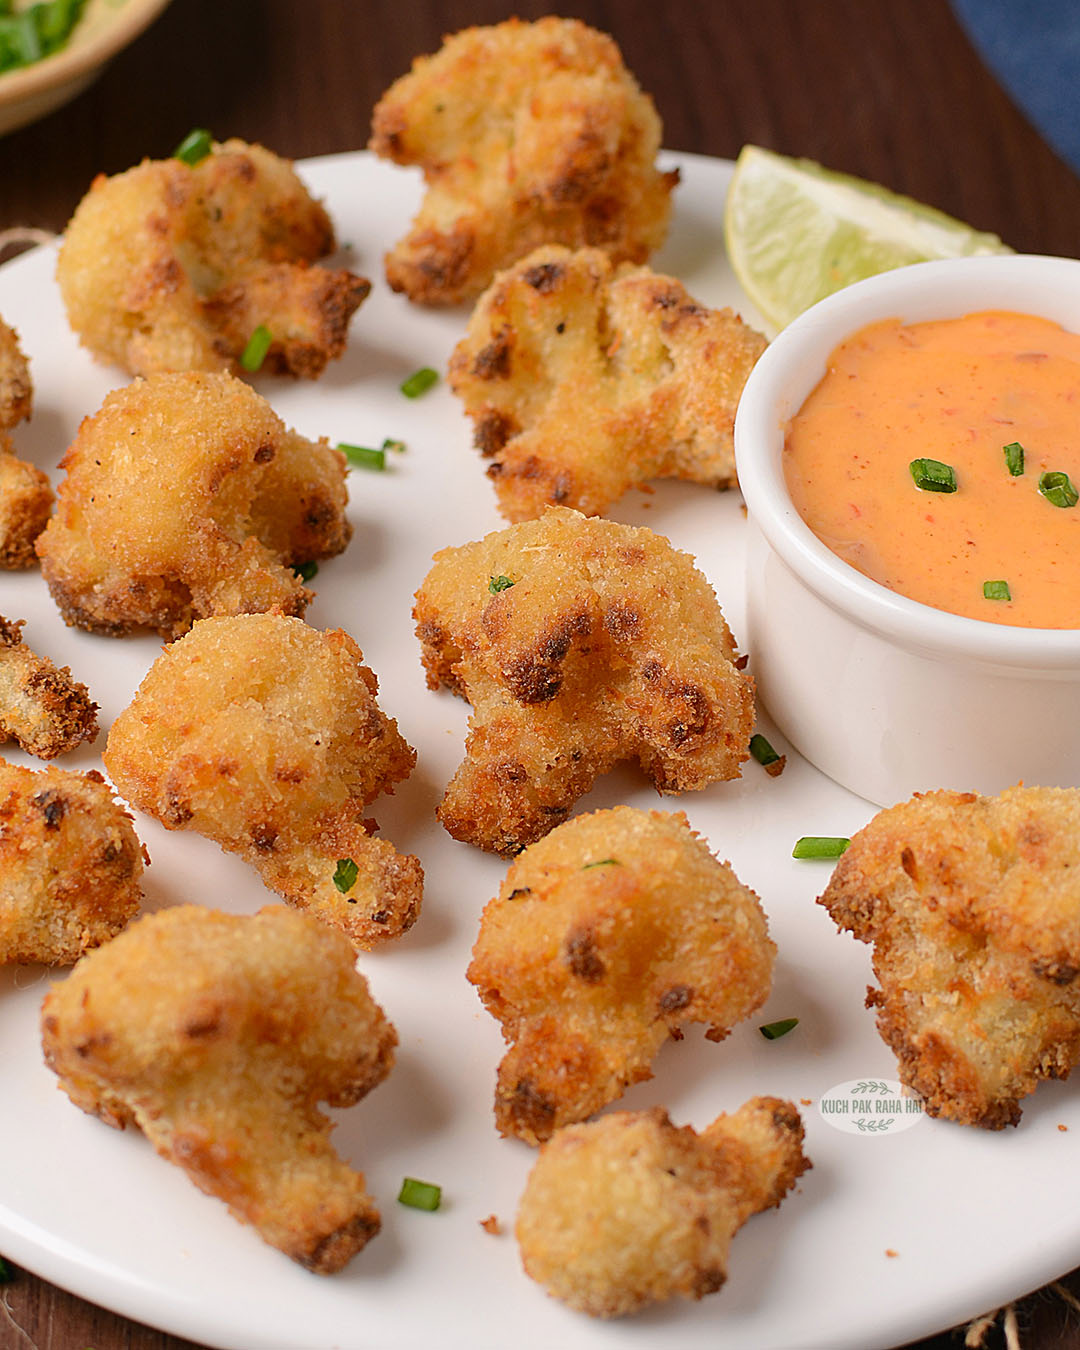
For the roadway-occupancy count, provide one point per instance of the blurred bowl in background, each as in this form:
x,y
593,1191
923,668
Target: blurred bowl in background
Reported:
x,y
105,28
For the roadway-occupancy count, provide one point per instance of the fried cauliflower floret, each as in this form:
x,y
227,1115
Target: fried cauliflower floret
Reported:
x,y
972,905
583,380
185,496
218,1035
69,864
527,133
606,937
25,493
630,1210
264,735
42,709
170,267
579,643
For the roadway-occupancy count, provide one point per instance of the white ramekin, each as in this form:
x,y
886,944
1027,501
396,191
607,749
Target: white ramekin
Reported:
x,y
884,694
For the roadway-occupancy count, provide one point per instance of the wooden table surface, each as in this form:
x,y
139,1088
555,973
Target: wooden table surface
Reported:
x,y
892,92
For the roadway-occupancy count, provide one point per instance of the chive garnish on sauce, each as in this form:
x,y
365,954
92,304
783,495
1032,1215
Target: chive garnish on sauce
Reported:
x,y
1057,488
996,590
7,1271
601,862
419,1194
345,874
363,456
819,846
195,146
306,570
254,354
1014,458
419,382
390,444
931,475
772,1031
499,583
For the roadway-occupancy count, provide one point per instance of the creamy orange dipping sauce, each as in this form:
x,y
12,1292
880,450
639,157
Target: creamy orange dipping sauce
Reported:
x,y
957,391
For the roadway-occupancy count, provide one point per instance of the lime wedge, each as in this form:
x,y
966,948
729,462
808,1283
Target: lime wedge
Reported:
x,y
795,232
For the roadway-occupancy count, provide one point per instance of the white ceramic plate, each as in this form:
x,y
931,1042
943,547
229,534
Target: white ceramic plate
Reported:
x,y
973,1218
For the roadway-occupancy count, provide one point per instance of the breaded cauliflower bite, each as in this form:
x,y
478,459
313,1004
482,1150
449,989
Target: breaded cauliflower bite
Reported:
x,y
605,938
42,708
25,493
70,864
186,496
972,905
265,735
583,380
579,643
630,1210
218,1035
527,133
171,266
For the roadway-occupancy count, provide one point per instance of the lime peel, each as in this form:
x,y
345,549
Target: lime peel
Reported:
x,y
796,232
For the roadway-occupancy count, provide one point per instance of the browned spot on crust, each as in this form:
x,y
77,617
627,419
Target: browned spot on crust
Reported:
x,y
623,621
677,997
491,432
537,677
492,362
907,862
531,1110
52,806
581,956
544,277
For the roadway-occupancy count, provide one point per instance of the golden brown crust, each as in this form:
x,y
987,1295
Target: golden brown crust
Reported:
x,y
70,865
171,267
42,709
584,380
606,937
608,646
218,1035
971,904
527,133
630,1210
16,387
186,496
26,498
264,735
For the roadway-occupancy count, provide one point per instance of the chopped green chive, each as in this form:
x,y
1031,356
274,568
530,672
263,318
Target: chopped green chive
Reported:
x,y
819,846
499,583
254,354
398,447
306,570
363,456
602,862
1057,489
1014,458
419,382
419,1194
195,146
932,476
7,1271
996,590
772,1031
345,874
762,751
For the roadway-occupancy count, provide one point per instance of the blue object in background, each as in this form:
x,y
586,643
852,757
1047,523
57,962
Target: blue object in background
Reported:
x,y
1033,47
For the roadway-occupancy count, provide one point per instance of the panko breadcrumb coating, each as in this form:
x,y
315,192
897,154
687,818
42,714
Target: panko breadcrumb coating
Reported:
x,y
579,643
527,133
70,864
630,1210
185,496
42,709
583,380
218,1035
605,938
264,735
972,905
25,493
170,266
